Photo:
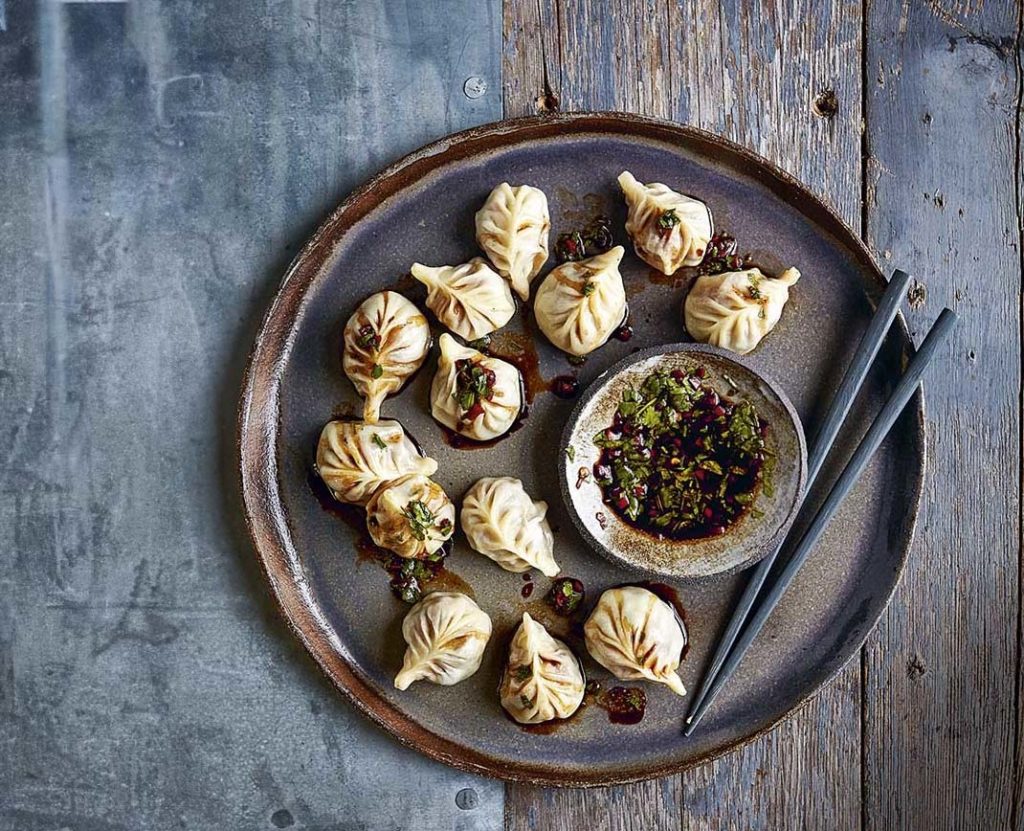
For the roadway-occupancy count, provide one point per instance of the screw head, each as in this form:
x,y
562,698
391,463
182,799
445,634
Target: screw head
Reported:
x,y
474,87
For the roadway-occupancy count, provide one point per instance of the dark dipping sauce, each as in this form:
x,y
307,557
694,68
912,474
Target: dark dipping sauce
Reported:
x,y
679,461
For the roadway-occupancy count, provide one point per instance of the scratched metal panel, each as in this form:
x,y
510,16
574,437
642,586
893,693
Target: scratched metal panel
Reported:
x,y
159,164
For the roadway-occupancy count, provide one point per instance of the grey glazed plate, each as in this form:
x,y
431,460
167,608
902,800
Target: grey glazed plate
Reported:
x,y
421,209
751,538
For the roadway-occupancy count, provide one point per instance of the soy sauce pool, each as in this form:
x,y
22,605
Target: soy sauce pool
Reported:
x,y
680,461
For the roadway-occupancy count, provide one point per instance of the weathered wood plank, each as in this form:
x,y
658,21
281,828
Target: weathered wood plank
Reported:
x,y
943,87
155,179
754,78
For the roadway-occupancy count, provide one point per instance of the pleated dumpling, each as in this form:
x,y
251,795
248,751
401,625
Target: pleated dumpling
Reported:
x,y
471,299
580,304
512,228
669,230
473,394
411,516
355,458
542,679
445,633
736,309
635,635
385,341
502,522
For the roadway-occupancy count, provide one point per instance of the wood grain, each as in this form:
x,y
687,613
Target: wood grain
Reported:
x,y
943,110
752,78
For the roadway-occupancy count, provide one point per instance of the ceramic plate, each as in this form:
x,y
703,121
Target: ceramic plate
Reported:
x,y
421,209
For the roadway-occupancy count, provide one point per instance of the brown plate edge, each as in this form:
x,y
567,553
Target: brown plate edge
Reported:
x,y
259,410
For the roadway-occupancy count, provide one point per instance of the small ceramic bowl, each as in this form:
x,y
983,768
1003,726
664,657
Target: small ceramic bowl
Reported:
x,y
747,540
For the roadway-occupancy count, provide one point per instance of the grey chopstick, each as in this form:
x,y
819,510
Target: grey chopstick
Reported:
x,y
843,399
905,388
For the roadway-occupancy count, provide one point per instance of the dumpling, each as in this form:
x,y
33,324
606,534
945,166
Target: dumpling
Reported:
x,y
669,230
355,458
736,309
411,516
542,679
386,340
503,523
635,635
470,299
474,394
512,228
446,633
580,304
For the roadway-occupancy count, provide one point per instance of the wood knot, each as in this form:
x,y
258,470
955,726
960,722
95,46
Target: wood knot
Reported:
x,y
916,667
825,104
547,101
917,294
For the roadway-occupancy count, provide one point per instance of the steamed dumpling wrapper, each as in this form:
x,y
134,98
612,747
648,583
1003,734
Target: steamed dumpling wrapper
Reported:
x,y
512,229
385,341
471,299
355,458
502,522
579,304
668,229
736,309
542,679
475,395
635,635
445,633
411,516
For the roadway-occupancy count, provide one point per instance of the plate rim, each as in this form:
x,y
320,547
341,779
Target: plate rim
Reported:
x,y
259,413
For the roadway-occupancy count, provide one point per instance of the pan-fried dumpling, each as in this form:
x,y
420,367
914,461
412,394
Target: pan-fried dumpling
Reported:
x,y
542,679
503,523
580,304
386,340
736,309
446,633
355,458
474,394
471,299
669,230
635,635
512,228
411,516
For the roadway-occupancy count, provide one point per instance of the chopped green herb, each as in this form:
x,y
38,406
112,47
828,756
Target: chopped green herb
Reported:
x,y
570,452
679,460
588,288
522,673
367,337
474,383
667,221
377,371
377,440
422,520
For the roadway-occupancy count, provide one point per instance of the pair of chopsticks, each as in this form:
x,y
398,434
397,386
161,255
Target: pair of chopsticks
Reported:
x,y
746,624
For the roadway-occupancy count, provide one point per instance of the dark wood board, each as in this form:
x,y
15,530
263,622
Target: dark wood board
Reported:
x,y
733,71
927,735
943,93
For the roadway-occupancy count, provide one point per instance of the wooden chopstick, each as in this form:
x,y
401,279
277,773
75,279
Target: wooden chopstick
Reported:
x,y
867,349
883,422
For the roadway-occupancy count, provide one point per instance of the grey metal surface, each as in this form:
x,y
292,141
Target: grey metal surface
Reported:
x,y
159,164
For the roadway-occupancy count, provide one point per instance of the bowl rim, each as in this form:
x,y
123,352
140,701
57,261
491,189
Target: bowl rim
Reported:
x,y
600,384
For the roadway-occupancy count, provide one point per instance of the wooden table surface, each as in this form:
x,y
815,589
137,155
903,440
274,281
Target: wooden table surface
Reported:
x,y
160,162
